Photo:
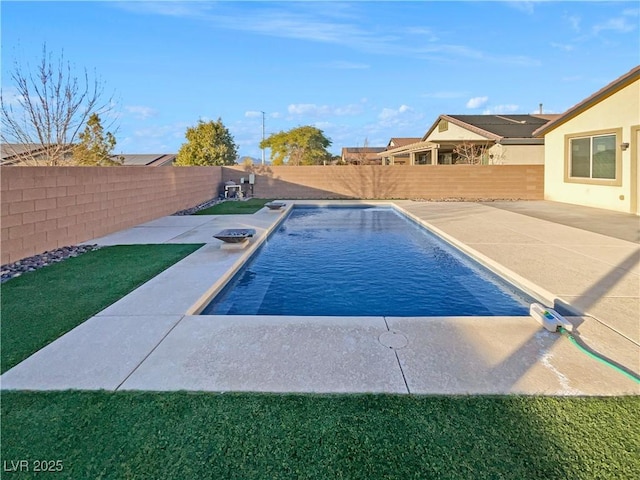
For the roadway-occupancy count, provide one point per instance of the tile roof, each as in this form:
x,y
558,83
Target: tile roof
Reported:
x,y
12,152
402,141
501,126
363,149
148,159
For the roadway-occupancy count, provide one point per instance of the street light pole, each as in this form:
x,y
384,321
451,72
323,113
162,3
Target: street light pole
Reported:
x,y
262,137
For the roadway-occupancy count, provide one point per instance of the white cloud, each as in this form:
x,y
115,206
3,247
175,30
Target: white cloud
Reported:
x,y
423,31
307,109
318,22
574,21
498,109
444,95
169,9
477,102
561,46
522,5
402,116
140,112
252,114
313,110
619,25
11,97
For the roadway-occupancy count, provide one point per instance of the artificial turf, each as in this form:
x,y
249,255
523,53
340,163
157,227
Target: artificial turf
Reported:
x,y
234,207
40,306
245,435
267,436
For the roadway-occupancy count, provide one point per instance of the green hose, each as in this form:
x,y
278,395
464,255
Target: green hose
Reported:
x,y
596,356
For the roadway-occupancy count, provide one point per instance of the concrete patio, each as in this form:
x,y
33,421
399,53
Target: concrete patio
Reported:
x,y
153,339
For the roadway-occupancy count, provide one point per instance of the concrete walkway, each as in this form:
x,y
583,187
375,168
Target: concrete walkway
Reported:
x,y
153,338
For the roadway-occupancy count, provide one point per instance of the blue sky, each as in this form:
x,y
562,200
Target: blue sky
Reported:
x,y
357,70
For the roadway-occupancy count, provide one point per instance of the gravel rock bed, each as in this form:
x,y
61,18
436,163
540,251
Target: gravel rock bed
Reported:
x,y
202,206
31,264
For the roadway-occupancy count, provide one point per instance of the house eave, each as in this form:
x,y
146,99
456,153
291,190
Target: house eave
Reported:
x,y
622,82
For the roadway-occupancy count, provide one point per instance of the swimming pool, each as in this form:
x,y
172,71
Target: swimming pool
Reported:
x,y
370,261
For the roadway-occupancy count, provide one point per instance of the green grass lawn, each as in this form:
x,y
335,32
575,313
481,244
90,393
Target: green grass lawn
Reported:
x,y
235,206
266,436
40,306
186,435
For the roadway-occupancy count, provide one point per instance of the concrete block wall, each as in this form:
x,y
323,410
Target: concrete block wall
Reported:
x,y
44,208
471,182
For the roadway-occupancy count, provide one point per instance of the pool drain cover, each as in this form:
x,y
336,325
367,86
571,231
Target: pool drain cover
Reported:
x,y
393,340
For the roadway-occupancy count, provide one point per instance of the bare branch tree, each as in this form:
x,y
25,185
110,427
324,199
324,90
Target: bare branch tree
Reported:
x,y
471,153
50,108
362,153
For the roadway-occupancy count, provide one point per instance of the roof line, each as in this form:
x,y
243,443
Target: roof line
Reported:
x,y
473,128
618,84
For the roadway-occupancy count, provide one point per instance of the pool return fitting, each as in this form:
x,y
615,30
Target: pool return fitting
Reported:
x,y
554,322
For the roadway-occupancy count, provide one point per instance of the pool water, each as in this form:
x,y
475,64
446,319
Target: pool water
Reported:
x,y
363,262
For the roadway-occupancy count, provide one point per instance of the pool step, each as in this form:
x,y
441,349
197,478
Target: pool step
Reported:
x,y
253,303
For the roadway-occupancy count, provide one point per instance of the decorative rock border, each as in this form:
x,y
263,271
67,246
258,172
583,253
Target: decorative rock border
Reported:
x,y
202,206
30,264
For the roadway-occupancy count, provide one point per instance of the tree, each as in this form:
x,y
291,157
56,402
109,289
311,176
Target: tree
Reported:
x,y
95,147
50,106
208,143
471,153
247,161
299,146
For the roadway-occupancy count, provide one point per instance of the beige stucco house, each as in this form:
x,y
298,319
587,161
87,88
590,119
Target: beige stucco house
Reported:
x,y
361,155
396,146
591,151
19,155
485,139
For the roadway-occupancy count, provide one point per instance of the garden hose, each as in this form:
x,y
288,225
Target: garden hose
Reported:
x,y
598,357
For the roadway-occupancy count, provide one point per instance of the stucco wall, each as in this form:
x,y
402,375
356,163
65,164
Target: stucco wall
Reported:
x,y
620,110
453,133
44,208
395,182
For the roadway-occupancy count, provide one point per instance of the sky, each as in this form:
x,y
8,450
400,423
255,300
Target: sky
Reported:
x,y
362,72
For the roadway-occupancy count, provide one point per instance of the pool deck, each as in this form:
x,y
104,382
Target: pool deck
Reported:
x,y
584,260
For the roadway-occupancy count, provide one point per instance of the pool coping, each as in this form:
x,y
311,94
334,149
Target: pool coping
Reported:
x,y
545,364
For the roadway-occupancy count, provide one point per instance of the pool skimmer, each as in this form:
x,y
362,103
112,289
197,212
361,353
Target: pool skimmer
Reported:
x,y
549,318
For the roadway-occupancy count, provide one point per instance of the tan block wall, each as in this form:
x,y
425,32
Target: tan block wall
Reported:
x,y
469,182
44,208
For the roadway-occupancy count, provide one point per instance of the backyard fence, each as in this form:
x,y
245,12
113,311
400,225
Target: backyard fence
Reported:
x,y
44,208
436,182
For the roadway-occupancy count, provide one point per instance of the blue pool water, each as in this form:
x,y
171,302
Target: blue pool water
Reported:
x,y
362,262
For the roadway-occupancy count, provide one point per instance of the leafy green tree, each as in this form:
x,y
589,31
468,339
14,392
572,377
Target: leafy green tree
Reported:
x,y
208,143
299,146
95,146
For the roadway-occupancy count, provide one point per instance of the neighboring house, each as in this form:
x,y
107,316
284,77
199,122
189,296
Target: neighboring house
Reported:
x,y
399,158
146,159
361,155
15,154
591,151
493,139
20,154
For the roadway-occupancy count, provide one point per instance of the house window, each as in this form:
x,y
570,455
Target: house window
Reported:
x,y
443,126
423,158
593,158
